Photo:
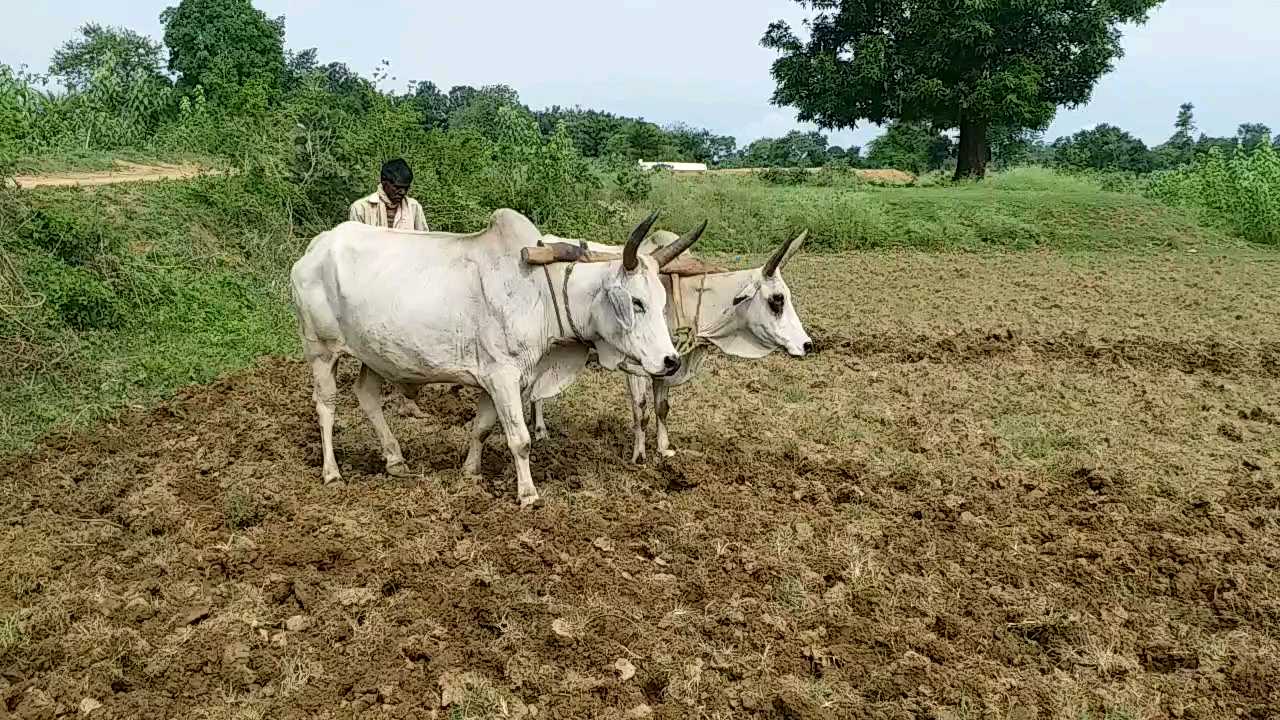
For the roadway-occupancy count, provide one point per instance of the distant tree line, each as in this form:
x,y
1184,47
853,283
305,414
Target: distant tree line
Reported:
x,y
223,66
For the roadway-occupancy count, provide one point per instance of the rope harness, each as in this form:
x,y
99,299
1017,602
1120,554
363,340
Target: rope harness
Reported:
x,y
555,302
685,337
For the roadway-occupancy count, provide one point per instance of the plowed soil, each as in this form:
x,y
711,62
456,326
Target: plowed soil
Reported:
x,y
1011,487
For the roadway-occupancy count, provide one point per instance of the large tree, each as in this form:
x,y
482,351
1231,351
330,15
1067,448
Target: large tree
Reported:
x,y
130,55
970,64
223,44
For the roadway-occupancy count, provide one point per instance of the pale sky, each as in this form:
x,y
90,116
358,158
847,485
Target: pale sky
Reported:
x,y
701,61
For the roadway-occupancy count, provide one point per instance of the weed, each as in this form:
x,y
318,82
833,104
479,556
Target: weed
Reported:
x,y
12,635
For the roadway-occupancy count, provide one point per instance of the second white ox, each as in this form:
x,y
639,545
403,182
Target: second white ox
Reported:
x,y
746,314
433,307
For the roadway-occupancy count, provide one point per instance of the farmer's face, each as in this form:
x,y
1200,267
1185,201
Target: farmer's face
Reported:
x,y
395,193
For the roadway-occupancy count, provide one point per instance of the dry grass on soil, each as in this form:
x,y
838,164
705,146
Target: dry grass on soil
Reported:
x,y
1009,487
124,172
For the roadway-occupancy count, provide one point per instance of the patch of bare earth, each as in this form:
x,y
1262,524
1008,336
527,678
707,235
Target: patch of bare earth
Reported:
x,y
1010,487
124,172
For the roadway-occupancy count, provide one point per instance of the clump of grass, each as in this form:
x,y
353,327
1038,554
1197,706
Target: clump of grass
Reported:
x,y
1032,439
1014,210
13,636
245,506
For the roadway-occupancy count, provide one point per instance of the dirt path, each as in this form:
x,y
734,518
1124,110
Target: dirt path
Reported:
x,y
126,172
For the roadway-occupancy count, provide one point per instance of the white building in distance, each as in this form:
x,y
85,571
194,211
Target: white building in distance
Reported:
x,y
674,166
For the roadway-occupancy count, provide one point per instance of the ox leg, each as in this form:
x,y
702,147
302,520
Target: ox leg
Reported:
x,y
638,389
369,391
539,422
660,408
505,391
325,394
486,417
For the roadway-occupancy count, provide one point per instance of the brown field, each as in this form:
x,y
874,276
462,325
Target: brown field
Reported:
x,y
1009,486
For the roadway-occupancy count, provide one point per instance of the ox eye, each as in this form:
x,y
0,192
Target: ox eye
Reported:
x,y
776,303
638,304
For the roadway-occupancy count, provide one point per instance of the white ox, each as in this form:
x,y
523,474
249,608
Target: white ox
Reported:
x,y
432,307
746,314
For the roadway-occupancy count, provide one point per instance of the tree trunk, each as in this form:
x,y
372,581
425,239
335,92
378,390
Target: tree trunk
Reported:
x,y
972,156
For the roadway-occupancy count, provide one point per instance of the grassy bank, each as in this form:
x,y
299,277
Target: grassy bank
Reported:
x,y
117,295
1021,209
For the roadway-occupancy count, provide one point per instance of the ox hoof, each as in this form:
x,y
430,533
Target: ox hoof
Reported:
x,y
528,501
639,459
398,470
667,453
540,433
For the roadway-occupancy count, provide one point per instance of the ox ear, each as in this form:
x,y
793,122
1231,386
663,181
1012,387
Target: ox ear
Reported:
x,y
620,301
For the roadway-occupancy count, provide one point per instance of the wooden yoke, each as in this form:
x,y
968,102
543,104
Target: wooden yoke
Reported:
x,y
566,252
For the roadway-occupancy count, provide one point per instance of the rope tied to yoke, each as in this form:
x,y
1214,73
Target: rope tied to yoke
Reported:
x,y
685,337
555,302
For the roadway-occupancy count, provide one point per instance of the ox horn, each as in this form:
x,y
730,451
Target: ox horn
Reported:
x,y
664,255
783,254
629,259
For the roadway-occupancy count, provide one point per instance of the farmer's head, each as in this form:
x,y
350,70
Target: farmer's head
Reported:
x,y
396,179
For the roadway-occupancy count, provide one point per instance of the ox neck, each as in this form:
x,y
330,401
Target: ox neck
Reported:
x,y
573,289
705,302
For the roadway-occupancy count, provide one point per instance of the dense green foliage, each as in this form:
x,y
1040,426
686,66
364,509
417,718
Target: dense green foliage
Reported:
x,y
1241,190
952,65
224,45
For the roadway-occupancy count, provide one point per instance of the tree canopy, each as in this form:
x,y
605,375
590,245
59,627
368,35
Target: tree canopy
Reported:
x,y
223,44
124,51
970,65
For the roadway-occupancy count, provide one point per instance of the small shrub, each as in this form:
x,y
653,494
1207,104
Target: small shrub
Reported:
x,y
242,508
784,176
633,182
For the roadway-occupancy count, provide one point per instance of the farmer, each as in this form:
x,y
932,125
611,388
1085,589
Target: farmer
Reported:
x,y
391,206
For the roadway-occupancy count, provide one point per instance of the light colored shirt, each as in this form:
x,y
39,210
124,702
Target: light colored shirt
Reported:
x,y
372,210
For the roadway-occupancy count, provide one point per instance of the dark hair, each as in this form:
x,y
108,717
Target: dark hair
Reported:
x,y
397,172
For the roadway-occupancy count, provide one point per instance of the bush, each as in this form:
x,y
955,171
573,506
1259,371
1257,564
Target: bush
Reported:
x,y
1243,192
633,182
784,176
